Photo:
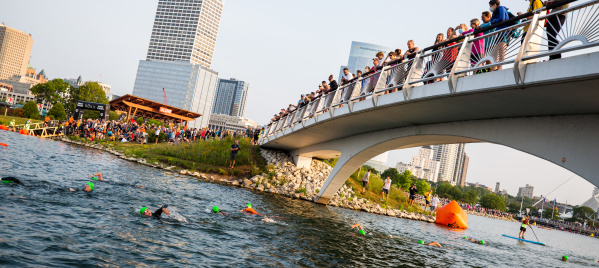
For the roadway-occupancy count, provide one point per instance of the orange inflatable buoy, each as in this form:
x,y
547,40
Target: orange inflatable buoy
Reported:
x,y
452,215
3,127
3,144
23,131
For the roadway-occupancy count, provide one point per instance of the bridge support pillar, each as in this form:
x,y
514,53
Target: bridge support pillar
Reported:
x,y
302,161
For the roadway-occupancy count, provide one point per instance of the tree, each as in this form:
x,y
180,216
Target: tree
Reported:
x,y
372,170
582,213
154,122
90,91
548,213
392,173
30,110
139,120
50,91
112,115
422,186
58,111
492,201
405,180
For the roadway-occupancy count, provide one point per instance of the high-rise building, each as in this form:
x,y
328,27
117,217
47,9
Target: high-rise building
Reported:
x,y
180,55
231,97
422,166
453,162
186,86
185,30
15,49
525,191
497,185
379,162
596,191
361,55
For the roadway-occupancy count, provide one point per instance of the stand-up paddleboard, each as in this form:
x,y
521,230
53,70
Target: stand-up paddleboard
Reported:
x,y
529,241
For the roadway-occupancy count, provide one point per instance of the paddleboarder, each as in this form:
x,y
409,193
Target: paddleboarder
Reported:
x,y
525,222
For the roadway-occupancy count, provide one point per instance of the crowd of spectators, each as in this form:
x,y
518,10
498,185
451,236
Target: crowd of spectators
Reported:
x,y
131,131
498,44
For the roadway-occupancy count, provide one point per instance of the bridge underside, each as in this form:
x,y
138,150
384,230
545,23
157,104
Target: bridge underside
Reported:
x,y
568,141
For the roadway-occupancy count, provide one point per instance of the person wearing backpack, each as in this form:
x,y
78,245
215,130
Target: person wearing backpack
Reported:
x,y
499,14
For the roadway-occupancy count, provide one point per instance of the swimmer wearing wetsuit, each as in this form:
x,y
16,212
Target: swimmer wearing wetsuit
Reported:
x,y
97,177
215,210
474,240
360,229
87,188
12,180
248,209
157,214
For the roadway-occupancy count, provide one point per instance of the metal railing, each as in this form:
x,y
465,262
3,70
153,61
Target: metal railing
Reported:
x,y
519,42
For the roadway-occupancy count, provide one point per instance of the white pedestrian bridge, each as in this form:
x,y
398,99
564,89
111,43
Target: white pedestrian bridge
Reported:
x,y
549,109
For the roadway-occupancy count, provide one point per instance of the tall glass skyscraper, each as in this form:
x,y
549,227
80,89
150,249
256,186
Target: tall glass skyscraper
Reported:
x,y
361,55
180,55
185,30
231,97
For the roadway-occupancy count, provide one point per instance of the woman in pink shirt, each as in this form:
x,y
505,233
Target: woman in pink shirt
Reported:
x,y
478,46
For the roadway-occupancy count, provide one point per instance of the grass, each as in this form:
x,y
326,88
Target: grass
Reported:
x,y
397,197
210,156
301,190
5,120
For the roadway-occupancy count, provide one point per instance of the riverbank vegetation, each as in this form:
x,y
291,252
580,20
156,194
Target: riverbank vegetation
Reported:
x,y
5,120
211,156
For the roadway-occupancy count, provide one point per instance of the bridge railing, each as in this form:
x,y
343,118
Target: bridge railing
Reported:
x,y
514,43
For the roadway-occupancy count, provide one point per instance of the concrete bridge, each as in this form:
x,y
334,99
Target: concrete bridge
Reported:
x,y
549,109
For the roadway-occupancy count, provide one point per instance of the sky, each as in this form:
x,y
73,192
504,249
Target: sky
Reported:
x,y
282,49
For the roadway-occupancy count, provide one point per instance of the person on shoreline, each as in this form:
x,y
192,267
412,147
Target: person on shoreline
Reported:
x,y
157,214
234,150
87,188
386,188
365,181
434,203
525,222
413,192
248,209
11,180
427,197
11,126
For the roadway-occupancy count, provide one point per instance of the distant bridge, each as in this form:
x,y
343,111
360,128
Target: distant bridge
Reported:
x,y
549,109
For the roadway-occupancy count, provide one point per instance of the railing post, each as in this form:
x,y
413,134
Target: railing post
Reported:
x,y
412,76
530,46
462,62
380,83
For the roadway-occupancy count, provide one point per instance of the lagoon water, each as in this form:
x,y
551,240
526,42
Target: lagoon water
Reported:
x,y
44,224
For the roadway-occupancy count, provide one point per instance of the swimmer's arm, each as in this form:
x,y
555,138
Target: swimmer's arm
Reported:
x,y
99,175
357,225
435,244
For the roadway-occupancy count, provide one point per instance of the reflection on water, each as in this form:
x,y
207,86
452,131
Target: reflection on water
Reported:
x,y
44,224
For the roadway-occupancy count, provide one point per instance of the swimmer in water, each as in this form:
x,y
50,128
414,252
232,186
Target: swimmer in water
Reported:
x,y
215,210
87,188
474,240
360,229
267,219
12,180
157,214
248,209
434,244
97,177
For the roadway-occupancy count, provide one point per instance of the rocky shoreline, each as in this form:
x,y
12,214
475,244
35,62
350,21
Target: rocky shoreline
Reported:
x,y
284,179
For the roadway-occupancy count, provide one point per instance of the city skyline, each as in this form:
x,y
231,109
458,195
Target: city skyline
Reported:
x,y
114,44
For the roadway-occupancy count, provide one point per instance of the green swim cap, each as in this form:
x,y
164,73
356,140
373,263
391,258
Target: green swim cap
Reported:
x,y
420,242
565,258
362,232
142,210
249,205
95,178
465,237
482,242
91,186
6,181
215,209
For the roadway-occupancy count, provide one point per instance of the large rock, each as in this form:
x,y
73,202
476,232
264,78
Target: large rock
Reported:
x,y
183,172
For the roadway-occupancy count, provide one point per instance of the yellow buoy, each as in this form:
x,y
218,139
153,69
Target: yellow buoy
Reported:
x,y
592,235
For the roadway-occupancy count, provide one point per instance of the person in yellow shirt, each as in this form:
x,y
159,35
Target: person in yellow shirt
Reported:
x,y
533,5
427,197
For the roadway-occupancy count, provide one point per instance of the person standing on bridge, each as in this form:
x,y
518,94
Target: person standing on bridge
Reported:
x,y
365,181
413,192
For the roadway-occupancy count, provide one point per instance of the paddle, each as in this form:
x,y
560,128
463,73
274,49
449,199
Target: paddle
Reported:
x,y
533,231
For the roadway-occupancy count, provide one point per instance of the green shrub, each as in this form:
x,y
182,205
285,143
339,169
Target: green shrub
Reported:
x,y
30,110
57,111
317,190
283,181
301,190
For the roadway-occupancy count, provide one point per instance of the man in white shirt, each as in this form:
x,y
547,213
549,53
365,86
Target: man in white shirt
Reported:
x,y
346,76
434,203
386,188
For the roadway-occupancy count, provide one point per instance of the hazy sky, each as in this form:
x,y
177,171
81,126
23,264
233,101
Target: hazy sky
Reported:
x,y
282,48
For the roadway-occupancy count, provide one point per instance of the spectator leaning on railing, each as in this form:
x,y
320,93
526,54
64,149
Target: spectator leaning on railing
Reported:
x,y
346,76
554,26
332,83
412,50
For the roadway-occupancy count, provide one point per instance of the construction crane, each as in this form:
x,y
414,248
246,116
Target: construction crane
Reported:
x,y
164,95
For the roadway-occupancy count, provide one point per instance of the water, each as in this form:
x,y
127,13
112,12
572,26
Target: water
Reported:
x,y
47,225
